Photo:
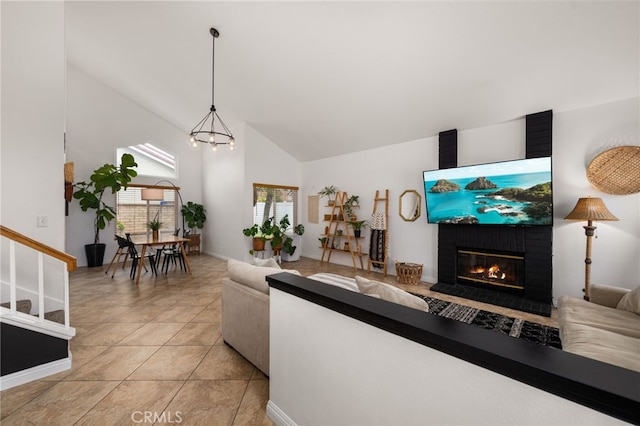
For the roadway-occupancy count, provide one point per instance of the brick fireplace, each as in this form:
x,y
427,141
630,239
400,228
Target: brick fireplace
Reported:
x,y
532,289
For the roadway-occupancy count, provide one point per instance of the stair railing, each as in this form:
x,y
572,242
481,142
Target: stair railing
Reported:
x,y
42,251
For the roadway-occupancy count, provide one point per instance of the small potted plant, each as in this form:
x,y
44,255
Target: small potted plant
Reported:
x,y
195,216
154,225
358,226
328,191
259,236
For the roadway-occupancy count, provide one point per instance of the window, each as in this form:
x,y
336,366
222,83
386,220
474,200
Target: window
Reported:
x,y
152,161
276,201
133,213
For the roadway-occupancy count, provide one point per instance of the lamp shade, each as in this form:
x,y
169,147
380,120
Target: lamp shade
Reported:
x,y
590,209
152,194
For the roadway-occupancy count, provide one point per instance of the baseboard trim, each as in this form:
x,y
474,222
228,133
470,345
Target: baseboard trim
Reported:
x,y
34,373
278,416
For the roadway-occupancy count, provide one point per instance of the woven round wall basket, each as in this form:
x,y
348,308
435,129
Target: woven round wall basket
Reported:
x,y
408,273
616,170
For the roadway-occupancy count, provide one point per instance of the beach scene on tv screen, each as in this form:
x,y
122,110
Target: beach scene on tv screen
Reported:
x,y
507,193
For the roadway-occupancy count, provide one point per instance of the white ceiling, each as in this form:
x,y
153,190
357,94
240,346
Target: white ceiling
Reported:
x,y
327,78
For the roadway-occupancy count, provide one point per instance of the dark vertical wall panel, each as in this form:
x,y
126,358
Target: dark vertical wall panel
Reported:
x,y
448,152
539,128
534,241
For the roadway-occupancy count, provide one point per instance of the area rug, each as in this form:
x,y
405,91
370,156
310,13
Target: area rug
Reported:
x,y
518,328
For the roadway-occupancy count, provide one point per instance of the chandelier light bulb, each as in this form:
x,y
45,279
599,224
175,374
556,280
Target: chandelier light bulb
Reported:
x,y
212,137
214,147
232,141
231,147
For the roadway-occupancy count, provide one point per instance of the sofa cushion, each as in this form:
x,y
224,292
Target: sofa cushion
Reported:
x,y
336,280
631,301
253,276
390,293
579,311
603,345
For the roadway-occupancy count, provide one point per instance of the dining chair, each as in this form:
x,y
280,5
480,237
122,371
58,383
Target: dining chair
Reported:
x,y
123,250
137,259
170,255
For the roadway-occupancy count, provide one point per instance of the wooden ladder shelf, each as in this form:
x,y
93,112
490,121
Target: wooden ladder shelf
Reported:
x,y
380,202
339,232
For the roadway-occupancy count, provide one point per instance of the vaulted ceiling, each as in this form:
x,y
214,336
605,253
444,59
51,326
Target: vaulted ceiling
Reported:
x,y
321,79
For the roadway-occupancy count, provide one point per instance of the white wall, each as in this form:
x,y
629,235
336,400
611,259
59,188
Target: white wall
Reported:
x,y
101,120
577,136
33,118
329,369
32,133
229,186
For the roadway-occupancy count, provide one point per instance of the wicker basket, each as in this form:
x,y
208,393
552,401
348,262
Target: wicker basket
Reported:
x,y
408,273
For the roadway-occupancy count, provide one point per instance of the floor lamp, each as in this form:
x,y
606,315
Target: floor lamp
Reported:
x,y
158,195
589,209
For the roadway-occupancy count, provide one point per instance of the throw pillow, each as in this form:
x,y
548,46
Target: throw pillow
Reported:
x,y
390,293
270,262
631,301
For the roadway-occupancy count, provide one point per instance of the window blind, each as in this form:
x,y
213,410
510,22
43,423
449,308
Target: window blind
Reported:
x,y
133,213
274,201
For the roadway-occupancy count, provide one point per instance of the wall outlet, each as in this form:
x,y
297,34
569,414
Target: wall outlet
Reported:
x,y
43,221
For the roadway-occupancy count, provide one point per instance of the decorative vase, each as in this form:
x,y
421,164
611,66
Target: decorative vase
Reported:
x,y
155,235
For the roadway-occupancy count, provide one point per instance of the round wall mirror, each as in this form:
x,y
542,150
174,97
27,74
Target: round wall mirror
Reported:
x,y
410,204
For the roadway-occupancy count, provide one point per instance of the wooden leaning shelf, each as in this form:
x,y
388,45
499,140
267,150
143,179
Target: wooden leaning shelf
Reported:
x,y
339,232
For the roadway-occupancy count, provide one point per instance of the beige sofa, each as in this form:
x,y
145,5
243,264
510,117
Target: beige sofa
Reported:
x,y
606,328
245,304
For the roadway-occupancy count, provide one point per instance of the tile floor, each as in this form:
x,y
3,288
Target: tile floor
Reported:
x,y
153,353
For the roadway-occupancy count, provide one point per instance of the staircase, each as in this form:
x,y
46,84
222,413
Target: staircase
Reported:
x,y
34,313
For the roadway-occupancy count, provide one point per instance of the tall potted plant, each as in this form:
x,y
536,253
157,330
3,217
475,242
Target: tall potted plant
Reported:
x,y
195,216
90,196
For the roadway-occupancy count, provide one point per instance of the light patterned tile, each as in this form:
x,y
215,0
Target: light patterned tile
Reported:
x,y
170,363
223,363
153,333
130,402
116,363
208,402
63,404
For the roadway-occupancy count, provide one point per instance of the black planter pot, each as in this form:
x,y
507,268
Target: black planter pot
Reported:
x,y
95,254
357,233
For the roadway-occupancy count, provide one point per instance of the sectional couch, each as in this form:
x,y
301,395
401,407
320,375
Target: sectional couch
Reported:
x,y
606,328
245,304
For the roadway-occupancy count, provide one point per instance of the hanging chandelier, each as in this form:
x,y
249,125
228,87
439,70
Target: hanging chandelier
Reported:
x,y
209,134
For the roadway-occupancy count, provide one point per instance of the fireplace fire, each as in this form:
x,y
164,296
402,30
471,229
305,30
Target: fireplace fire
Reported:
x,y
476,267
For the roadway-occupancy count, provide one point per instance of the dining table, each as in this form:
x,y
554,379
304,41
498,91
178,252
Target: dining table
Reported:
x,y
162,240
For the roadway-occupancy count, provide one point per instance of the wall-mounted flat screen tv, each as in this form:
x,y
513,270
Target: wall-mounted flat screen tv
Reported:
x,y
514,192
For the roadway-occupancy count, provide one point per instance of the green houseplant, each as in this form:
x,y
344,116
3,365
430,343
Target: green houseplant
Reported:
x,y
195,216
90,195
349,205
289,245
154,225
358,226
328,191
259,235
